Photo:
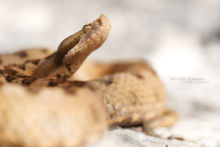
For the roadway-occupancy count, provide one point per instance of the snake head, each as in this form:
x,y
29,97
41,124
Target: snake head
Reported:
x,y
95,33
73,50
88,39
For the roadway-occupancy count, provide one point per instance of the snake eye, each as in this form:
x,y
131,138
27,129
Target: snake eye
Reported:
x,y
87,28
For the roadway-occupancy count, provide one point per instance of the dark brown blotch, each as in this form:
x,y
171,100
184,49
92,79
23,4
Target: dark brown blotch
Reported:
x,y
139,76
27,61
22,54
68,67
52,83
108,81
27,80
58,76
22,67
9,78
79,83
10,71
35,62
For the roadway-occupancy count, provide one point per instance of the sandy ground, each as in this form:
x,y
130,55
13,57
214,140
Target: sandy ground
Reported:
x,y
180,38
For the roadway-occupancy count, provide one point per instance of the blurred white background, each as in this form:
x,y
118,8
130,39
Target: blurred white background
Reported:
x,y
180,38
137,26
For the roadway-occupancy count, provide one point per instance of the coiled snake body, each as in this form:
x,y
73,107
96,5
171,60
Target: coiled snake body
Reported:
x,y
45,102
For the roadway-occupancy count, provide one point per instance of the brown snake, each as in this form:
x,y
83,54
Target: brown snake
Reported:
x,y
45,102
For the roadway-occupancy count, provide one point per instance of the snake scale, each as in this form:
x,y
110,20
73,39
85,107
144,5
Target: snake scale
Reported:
x,y
47,100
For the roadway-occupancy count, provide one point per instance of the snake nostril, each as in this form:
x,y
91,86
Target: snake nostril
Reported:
x,y
99,21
